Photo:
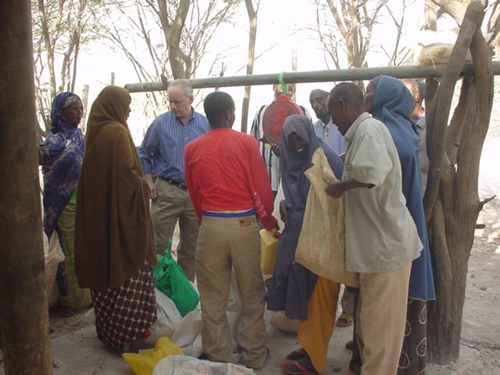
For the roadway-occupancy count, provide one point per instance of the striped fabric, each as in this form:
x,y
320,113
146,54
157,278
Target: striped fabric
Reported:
x,y
162,149
270,159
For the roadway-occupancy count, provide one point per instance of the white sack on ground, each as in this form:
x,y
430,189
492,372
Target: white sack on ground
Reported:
x,y
184,365
187,333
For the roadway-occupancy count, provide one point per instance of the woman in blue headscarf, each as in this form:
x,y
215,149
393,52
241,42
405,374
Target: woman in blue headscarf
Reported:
x,y
389,101
292,285
61,169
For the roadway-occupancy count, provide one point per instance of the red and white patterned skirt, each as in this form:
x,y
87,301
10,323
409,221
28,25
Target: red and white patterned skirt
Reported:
x,y
123,314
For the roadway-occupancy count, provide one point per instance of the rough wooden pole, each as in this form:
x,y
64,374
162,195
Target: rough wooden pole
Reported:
x,y
454,214
23,312
440,109
358,74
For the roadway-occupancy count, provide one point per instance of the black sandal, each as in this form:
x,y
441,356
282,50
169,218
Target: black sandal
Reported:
x,y
301,367
296,355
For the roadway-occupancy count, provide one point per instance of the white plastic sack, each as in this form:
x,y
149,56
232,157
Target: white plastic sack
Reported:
x,y
280,321
185,365
187,333
168,315
90,317
53,256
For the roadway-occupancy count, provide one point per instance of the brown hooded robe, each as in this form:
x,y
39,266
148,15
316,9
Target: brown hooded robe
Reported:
x,y
113,226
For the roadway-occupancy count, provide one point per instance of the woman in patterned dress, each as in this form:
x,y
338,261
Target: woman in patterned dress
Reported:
x,y
114,240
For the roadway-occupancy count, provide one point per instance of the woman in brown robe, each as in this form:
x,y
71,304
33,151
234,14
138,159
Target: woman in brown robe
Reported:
x,y
113,240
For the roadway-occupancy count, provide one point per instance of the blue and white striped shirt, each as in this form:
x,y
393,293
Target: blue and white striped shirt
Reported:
x,y
162,149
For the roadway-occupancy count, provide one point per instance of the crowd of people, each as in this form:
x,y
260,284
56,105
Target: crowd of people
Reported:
x,y
114,206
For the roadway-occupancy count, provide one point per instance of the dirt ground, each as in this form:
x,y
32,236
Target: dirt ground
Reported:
x,y
480,349
76,349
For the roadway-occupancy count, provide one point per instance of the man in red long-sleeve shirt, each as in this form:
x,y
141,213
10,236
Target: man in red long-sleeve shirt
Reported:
x,y
230,190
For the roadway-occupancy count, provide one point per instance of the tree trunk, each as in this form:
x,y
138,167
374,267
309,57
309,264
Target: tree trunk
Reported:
x,y
86,109
252,16
24,310
173,33
455,152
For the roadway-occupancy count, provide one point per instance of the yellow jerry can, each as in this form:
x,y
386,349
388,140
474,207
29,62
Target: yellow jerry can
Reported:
x,y
268,257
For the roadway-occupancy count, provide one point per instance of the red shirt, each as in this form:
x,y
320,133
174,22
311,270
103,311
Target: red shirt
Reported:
x,y
225,172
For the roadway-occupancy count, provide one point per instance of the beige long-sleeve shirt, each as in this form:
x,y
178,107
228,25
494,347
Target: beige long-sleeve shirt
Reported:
x,y
380,233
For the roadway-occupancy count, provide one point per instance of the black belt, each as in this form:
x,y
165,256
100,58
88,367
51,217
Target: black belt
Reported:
x,y
179,184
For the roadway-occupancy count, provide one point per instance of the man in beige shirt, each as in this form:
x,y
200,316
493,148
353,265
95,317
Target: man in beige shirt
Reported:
x,y
381,237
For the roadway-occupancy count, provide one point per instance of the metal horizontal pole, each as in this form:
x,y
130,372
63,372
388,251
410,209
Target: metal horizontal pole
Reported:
x,y
359,74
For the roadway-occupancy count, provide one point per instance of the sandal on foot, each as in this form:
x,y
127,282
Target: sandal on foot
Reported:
x,y
344,320
304,366
296,355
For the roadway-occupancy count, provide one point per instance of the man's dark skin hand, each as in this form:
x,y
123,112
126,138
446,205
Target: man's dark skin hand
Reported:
x,y
337,188
284,206
276,150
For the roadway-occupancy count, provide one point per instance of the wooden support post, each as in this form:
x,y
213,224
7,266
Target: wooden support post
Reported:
x,y
440,109
451,200
23,302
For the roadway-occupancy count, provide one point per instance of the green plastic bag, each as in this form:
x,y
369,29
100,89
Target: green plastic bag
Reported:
x,y
171,280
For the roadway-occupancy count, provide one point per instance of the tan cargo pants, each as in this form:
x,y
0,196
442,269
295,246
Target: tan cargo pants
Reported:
x,y
172,204
224,243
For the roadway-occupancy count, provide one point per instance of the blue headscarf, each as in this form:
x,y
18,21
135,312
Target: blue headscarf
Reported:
x,y
292,284
392,104
61,169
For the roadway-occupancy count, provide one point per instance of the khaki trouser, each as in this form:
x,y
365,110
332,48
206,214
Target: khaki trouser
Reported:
x,y
380,319
222,243
171,204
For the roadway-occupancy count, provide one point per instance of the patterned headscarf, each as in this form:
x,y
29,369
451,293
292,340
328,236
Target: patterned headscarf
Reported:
x,y
58,122
62,168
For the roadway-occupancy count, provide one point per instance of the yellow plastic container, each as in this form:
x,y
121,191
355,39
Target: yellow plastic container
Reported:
x,y
268,251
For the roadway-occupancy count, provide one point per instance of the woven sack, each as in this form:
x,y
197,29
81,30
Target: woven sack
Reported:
x,y
321,247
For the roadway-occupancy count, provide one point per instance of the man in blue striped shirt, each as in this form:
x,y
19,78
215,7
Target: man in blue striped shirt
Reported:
x,y
162,152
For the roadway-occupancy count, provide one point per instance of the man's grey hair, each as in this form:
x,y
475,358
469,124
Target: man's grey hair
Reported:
x,y
184,83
